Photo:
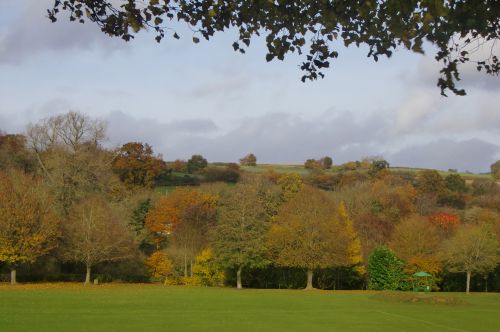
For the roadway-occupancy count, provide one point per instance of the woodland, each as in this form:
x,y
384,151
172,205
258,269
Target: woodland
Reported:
x,y
74,209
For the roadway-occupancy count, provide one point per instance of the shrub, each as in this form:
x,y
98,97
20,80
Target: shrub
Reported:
x,y
206,272
385,270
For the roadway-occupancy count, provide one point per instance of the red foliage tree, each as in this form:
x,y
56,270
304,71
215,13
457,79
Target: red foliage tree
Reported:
x,y
446,222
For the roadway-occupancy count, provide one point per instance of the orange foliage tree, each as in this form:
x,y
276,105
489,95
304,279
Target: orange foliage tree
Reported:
x,y
170,211
28,226
159,265
417,241
136,165
184,216
446,222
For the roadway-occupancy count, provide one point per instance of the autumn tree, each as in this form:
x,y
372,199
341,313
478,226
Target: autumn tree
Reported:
x,y
455,183
206,271
429,182
314,28
238,239
14,153
473,249
310,233
68,149
377,166
445,222
94,234
312,164
392,199
249,160
136,165
159,265
371,229
495,170
323,163
196,163
184,216
29,228
326,162
483,186
417,242
224,174
290,184
483,217
178,166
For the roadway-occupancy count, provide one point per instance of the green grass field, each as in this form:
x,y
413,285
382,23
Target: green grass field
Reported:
x,y
73,307
282,168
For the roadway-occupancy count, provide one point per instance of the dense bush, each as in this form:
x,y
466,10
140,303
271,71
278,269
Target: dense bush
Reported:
x,y
385,270
219,174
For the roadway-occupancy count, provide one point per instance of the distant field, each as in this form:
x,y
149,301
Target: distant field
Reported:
x,y
72,307
468,176
280,168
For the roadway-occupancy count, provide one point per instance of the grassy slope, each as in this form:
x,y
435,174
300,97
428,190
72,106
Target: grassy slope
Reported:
x,y
156,308
281,168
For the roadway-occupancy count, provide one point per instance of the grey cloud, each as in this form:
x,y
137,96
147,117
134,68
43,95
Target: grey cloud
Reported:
x,y
124,128
423,111
427,73
472,155
31,32
220,87
282,138
275,137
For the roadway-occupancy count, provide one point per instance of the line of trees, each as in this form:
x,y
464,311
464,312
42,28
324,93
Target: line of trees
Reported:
x,y
68,205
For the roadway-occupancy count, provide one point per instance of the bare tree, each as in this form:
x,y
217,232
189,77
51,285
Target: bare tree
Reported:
x,y
94,234
69,153
70,131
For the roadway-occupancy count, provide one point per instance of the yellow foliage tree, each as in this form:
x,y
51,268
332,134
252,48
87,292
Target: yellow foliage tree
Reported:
x,y
290,184
159,265
417,242
205,270
310,233
28,226
354,246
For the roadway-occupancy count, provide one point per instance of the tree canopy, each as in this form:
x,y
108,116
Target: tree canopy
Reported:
x,y
310,233
28,226
472,249
314,28
238,237
136,164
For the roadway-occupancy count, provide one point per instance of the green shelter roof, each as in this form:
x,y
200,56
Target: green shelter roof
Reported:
x,y
422,274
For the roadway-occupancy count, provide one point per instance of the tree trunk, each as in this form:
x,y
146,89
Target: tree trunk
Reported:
x,y
191,268
309,279
185,266
238,278
87,276
468,282
13,279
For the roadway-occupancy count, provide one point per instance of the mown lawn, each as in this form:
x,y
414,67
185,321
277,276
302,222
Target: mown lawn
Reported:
x,y
72,307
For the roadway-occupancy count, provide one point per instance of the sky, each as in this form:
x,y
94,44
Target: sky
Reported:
x,y
186,99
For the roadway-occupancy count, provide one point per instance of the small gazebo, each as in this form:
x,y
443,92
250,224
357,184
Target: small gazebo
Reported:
x,y
421,282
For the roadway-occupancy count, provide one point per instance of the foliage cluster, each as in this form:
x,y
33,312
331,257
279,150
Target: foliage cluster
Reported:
x,y
69,205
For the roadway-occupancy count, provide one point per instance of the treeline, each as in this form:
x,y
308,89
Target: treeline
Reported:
x,y
71,209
